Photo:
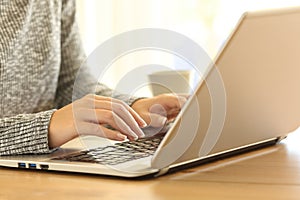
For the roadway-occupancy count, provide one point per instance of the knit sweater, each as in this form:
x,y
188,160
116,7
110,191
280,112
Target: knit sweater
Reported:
x,y
40,54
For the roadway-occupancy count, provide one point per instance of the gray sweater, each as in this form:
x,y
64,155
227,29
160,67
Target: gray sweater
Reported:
x,y
40,53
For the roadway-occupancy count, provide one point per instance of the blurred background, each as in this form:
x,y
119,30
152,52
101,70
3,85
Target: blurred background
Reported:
x,y
207,22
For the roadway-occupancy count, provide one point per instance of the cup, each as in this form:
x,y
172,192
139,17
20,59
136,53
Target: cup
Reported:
x,y
171,81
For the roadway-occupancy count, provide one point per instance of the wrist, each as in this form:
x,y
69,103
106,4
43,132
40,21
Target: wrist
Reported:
x,y
133,103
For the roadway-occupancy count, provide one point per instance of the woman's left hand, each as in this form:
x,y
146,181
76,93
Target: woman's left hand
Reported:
x,y
158,110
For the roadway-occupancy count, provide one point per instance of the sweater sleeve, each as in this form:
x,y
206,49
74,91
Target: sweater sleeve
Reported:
x,y
25,134
73,61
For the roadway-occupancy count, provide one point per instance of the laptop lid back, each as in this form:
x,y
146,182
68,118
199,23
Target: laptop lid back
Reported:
x,y
257,99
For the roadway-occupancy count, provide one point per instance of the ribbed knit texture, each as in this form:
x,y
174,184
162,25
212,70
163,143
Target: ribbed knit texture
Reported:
x,y
40,54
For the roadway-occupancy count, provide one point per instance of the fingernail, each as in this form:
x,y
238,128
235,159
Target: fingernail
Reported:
x,y
121,136
162,120
182,101
135,137
141,133
144,124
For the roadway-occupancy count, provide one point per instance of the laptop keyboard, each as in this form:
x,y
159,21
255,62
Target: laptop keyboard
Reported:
x,y
117,153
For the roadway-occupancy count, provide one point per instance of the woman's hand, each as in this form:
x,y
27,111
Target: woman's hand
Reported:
x,y
90,115
156,111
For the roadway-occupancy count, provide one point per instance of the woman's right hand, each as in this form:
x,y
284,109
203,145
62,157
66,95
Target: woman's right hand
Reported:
x,y
90,115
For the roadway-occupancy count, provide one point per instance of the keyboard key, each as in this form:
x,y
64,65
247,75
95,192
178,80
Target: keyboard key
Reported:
x,y
118,153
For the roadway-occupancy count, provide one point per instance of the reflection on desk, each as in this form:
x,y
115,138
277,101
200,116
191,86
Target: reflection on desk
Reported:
x,y
270,173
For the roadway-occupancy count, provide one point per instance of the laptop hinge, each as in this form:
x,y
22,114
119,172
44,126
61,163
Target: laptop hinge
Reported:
x,y
162,171
281,138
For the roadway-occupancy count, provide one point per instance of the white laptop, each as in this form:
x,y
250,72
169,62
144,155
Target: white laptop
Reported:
x,y
257,104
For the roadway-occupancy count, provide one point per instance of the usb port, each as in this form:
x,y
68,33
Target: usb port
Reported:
x,y
32,166
22,165
44,167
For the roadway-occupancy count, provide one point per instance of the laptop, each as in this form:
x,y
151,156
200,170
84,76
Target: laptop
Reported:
x,y
249,99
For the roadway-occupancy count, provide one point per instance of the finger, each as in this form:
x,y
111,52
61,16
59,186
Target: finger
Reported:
x,y
185,95
88,128
137,118
125,128
168,108
122,112
158,109
178,101
126,116
156,120
133,113
182,100
102,116
173,113
171,101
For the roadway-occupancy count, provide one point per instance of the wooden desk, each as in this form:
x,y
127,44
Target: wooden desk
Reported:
x,y
271,173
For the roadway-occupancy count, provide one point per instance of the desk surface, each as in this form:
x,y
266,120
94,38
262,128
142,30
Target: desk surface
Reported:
x,y
270,173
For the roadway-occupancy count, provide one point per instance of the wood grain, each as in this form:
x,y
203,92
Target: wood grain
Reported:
x,y
270,173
